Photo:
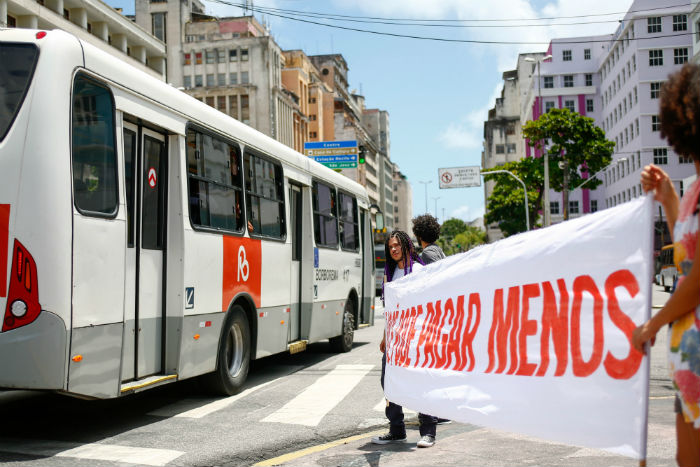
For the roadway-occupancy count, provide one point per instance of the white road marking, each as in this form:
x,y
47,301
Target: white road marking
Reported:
x,y
92,451
180,408
309,407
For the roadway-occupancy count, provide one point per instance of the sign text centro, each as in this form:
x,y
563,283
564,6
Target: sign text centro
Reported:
x,y
333,154
460,177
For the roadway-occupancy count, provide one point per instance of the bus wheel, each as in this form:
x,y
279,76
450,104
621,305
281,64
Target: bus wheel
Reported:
x,y
233,358
343,342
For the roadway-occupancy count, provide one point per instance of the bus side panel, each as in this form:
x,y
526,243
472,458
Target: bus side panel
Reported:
x,y
199,353
273,318
100,347
331,292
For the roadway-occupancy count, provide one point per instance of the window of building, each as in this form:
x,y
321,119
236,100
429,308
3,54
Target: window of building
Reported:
x,y
684,159
568,81
500,149
221,55
549,105
94,166
655,123
566,55
233,78
697,30
210,56
221,79
660,156
158,25
680,56
594,205
244,77
233,55
589,79
313,134
198,58
654,24
221,104
264,190
198,81
312,100
589,105
511,148
325,215
188,59
210,79
245,108
209,100
569,104
548,82
656,57
573,207
554,207
655,89
244,55
586,54
233,106
187,81
349,230
680,22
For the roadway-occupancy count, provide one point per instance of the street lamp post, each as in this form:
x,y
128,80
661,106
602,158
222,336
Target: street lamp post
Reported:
x,y
619,161
545,156
436,198
426,193
527,212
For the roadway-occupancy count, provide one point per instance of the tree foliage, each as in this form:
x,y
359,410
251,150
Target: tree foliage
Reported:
x,y
569,137
456,236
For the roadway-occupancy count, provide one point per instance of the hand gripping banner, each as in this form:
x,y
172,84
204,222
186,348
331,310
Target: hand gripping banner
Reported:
x,y
532,334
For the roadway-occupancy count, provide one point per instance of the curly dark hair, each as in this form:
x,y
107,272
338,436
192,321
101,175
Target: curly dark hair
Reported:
x,y
680,111
426,228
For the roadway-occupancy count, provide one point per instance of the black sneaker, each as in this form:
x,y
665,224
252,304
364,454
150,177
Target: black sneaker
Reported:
x,y
389,438
444,421
426,441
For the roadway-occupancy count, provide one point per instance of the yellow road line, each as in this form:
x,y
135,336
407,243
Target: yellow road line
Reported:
x,y
313,449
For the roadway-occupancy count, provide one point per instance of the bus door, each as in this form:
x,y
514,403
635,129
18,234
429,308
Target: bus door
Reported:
x,y
145,173
295,231
366,313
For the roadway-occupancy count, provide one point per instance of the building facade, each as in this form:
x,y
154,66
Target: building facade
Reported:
x,y
92,21
403,202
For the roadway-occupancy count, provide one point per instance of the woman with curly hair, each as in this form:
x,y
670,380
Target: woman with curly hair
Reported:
x,y
680,124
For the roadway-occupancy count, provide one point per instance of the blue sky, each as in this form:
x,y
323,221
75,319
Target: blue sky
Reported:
x,y
437,93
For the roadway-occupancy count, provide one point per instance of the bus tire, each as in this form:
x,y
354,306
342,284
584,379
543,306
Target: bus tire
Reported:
x,y
233,356
343,342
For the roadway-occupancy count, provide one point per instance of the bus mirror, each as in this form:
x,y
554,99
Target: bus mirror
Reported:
x,y
379,221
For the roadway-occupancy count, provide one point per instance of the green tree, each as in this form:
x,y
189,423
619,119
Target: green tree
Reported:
x,y
506,204
572,139
456,236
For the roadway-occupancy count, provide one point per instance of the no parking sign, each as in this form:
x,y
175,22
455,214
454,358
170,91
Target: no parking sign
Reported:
x,y
460,177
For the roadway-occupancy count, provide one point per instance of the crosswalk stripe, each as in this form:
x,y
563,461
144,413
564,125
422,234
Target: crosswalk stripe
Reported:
x,y
91,451
309,407
179,409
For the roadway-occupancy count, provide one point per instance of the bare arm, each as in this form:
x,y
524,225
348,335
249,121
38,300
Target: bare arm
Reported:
x,y
684,300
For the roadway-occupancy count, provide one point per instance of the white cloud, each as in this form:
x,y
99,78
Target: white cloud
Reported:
x,y
468,132
467,213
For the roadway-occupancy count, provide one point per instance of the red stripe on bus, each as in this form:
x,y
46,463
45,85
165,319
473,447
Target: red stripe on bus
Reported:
x,y
4,232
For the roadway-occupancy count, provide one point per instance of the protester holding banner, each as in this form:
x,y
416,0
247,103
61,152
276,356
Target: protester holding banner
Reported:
x,y
680,124
402,260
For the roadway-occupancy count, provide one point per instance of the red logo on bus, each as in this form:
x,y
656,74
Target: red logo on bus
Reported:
x,y
152,177
242,269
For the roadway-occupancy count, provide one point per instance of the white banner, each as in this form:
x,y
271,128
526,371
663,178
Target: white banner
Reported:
x,y
531,334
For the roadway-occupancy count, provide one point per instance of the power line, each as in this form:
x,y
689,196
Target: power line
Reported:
x,y
379,18
442,39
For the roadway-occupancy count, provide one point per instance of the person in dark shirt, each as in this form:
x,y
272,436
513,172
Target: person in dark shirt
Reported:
x,y
427,230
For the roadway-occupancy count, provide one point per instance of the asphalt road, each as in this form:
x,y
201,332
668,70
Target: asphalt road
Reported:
x,y
311,408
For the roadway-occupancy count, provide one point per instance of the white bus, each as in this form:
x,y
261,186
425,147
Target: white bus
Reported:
x,y
147,238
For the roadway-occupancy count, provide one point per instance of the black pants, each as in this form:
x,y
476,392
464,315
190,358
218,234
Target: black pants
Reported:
x,y
394,412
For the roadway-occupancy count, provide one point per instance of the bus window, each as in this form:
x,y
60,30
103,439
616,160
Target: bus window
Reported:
x,y
349,230
94,155
379,261
264,197
325,216
214,182
18,63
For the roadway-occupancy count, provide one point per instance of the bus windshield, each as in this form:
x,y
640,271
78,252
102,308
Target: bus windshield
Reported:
x,y
18,62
